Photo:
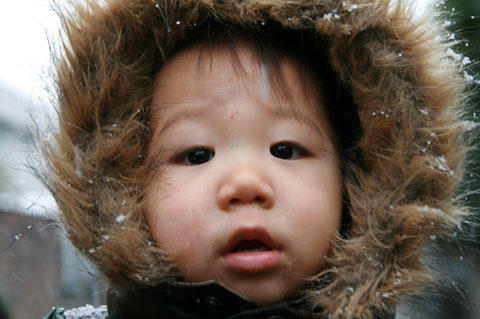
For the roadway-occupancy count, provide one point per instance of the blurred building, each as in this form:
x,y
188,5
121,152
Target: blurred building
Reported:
x,y
29,272
38,267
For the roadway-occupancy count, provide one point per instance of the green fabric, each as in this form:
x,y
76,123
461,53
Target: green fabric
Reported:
x,y
56,313
114,315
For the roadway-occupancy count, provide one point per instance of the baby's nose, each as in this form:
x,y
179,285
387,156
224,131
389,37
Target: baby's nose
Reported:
x,y
245,187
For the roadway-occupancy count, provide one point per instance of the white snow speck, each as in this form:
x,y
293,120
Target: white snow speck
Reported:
x,y
454,55
120,218
78,161
468,76
328,16
424,111
87,312
466,60
352,7
428,209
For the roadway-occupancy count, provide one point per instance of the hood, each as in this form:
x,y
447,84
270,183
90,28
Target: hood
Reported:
x,y
400,177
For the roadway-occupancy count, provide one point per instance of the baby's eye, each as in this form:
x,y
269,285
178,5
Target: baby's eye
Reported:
x,y
194,156
288,151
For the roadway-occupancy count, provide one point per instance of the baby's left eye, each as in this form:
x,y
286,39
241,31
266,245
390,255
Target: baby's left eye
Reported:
x,y
194,156
288,151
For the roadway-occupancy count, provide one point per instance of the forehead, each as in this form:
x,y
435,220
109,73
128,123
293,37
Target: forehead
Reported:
x,y
207,78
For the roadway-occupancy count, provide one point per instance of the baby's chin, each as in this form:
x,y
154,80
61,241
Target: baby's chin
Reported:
x,y
266,296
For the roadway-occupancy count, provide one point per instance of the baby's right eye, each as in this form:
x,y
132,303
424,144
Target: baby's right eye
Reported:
x,y
194,156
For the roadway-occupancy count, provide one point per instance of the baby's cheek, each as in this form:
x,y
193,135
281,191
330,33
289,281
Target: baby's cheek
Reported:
x,y
183,239
167,222
313,220
180,231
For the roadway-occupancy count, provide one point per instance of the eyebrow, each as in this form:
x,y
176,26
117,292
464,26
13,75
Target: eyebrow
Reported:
x,y
196,112
293,113
192,113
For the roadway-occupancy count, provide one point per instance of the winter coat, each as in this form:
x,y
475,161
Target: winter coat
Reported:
x,y
400,171
190,300
182,300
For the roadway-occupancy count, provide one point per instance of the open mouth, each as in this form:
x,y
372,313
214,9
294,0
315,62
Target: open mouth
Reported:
x,y
250,246
252,250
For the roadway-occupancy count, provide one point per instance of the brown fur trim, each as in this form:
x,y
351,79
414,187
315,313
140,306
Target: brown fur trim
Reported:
x,y
400,182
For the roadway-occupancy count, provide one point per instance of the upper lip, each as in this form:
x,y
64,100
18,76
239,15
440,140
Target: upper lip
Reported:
x,y
251,233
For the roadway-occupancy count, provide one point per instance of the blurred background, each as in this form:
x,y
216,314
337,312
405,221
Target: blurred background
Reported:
x,y
39,268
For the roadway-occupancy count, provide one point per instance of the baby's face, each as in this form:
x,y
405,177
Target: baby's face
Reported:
x,y
251,193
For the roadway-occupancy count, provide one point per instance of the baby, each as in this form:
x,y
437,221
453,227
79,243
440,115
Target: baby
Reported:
x,y
254,159
251,191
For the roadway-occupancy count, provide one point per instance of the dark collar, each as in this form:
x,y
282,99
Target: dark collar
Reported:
x,y
194,300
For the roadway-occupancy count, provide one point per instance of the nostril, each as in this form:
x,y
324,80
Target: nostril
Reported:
x,y
235,203
244,186
259,200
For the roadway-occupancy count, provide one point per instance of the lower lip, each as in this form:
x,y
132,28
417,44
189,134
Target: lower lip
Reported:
x,y
253,262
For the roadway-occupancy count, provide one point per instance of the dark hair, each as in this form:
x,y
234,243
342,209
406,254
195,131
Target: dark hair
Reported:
x,y
271,43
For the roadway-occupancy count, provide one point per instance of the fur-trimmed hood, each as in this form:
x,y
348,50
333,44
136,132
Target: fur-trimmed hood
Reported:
x,y
408,161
